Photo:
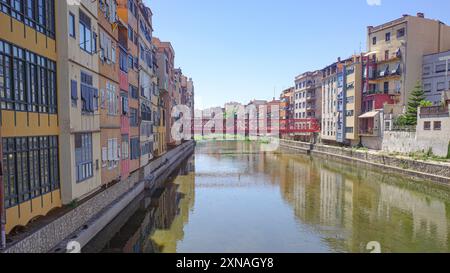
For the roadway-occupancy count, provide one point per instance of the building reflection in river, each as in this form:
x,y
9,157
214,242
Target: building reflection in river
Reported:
x,y
166,208
234,198
351,206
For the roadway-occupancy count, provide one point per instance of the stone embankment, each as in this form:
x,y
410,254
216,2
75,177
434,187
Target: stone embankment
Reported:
x,y
417,169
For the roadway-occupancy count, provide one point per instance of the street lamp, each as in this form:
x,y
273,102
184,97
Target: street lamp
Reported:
x,y
446,59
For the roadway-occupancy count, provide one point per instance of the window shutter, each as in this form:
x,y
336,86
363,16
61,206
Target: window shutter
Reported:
x,y
110,150
119,152
74,90
104,155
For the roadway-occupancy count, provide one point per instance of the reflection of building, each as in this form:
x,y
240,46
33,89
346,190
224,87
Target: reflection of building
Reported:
x,y
350,207
331,189
164,211
428,216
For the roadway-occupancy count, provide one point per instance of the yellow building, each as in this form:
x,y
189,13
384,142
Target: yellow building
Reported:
x,y
78,67
29,112
353,88
397,48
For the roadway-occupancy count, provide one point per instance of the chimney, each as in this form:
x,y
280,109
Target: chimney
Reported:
x,y
421,15
339,59
369,28
405,15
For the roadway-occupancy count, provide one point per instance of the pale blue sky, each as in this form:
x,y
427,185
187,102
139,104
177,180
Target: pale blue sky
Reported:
x,y
238,50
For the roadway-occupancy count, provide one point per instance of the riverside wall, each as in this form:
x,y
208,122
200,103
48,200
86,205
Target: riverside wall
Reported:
x,y
434,171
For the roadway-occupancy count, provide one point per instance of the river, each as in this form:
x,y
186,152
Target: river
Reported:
x,y
231,197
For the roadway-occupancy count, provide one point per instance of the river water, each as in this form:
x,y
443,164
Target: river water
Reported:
x,y
231,197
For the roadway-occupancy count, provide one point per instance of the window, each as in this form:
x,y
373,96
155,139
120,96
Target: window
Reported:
x,y
85,33
125,147
112,99
440,86
123,60
31,168
440,68
74,92
426,70
133,91
427,125
83,157
146,148
386,55
71,25
427,87
386,87
134,148
388,36
374,40
27,81
349,130
146,112
37,14
437,125
125,107
134,117
89,94
400,32
111,158
130,62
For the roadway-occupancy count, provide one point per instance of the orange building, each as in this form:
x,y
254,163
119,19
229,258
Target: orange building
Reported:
x,y
127,11
110,106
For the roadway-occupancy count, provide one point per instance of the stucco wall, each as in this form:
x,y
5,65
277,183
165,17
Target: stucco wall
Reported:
x,y
409,142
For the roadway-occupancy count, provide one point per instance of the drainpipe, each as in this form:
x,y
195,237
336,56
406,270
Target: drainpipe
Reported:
x,y
2,205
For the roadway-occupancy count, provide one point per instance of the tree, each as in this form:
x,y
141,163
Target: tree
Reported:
x,y
426,103
417,97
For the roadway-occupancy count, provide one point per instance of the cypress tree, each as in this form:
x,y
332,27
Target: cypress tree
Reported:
x,y
417,97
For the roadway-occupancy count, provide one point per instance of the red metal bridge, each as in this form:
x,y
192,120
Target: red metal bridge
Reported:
x,y
258,126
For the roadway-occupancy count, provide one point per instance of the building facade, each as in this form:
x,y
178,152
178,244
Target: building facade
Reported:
x,y
329,102
110,91
436,76
397,48
147,83
307,101
352,99
29,113
165,71
286,110
78,71
127,11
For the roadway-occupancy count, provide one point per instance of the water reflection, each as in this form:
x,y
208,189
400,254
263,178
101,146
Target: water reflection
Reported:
x,y
231,197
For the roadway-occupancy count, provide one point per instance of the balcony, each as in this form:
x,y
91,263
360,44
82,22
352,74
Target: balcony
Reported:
x,y
392,92
368,132
434,111
310,97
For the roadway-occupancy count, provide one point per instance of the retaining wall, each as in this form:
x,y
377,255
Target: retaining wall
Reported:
x,y
418,169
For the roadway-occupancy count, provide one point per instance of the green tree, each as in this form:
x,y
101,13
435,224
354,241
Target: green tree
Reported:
x,y
417,97
426,103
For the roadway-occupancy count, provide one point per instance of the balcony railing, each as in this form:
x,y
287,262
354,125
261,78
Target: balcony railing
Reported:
x,y
434,111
